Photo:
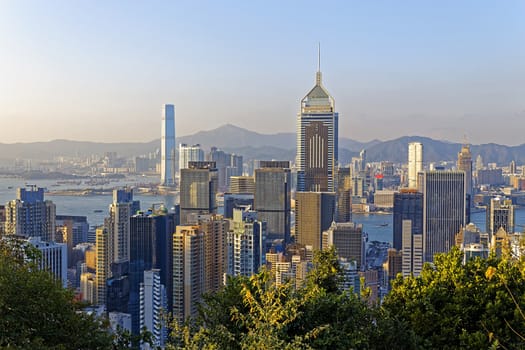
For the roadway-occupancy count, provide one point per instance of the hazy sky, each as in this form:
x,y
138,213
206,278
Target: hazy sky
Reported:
x,y
100,70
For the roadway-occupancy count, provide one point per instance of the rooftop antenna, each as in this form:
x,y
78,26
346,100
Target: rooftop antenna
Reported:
x,y
318,75
319,56
465,140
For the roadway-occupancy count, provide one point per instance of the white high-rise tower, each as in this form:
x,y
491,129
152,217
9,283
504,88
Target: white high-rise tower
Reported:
x,y
415,162
167,147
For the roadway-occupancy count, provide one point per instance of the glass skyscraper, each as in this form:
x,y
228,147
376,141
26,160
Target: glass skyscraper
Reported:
x,y
167,147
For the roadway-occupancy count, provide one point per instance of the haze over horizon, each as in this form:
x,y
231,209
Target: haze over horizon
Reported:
x,y
99,71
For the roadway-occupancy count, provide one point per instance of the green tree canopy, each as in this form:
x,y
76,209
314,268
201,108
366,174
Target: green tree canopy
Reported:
x,y
36,312
456,306
254,313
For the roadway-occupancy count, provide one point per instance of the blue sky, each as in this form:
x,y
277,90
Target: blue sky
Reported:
x,y
100,70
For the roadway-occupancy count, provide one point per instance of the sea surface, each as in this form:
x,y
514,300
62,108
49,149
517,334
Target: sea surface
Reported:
x,y
378,226
95,207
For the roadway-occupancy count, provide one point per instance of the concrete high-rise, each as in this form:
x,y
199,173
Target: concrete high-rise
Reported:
x,y
113,252
167,147
273,197
500,214
245,243
198,262
198,189
317,140
29,215
189,153
214,228
408,205
120,212
415,162
411,249
53,258
444,209
314,213
465,164
188,271
154,307
103,271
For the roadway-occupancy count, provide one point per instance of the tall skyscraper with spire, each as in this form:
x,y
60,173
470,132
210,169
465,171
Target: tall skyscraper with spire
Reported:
x,y
317,139
465,164
167,147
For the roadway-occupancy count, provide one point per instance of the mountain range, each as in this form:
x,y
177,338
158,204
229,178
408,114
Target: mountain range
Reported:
x,y
253,145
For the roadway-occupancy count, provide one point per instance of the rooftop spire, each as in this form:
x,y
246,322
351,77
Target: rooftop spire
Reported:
x,y
318,74
319,57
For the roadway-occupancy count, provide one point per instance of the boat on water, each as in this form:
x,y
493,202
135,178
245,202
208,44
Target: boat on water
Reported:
x,y
98,211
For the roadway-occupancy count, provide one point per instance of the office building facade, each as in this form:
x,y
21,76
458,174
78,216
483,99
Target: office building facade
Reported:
x,y
198,190
349,241
314,213
444,209
242,184
408,205
273,197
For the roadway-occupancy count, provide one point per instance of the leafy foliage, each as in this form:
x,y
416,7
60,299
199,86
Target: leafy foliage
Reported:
x,y
254,313
469,306
36,312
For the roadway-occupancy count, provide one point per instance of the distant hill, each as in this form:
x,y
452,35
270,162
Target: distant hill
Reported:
x,y
435,150
253,145
233,137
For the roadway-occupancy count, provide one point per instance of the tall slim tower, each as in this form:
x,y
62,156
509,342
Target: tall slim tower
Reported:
x,y
317,139
465,164
344,195
415,162
167,147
